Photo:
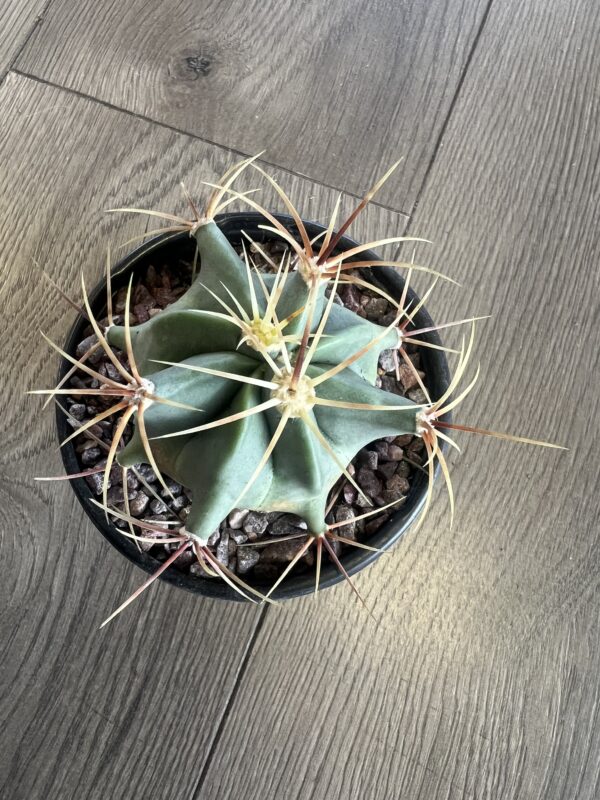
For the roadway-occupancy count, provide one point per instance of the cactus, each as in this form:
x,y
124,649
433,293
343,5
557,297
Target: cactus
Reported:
x,y
268,375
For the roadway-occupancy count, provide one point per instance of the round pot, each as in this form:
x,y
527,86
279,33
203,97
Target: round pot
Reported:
x,y
182,246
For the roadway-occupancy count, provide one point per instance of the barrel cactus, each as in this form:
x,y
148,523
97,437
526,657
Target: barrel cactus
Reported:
x,y
258,389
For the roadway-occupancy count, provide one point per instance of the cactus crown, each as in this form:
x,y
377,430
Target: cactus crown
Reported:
x,y
265,374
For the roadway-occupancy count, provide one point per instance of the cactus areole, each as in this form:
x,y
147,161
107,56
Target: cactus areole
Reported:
x,y
269,418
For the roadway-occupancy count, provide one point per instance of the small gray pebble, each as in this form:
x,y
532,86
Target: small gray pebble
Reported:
x,y
236,518
387,362
222,552
173,487
256,523
85,345
343,514
77,410
95,482
146,472
247,557
214,538
158,507
287,523
90,456
179,502
417,396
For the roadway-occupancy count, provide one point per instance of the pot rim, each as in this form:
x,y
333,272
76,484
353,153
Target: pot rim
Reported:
x,y
295,585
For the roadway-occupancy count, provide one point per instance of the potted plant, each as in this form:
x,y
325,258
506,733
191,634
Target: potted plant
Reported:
x,y
250,393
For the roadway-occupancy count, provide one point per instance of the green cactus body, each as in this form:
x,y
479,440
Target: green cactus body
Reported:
x,y
217,464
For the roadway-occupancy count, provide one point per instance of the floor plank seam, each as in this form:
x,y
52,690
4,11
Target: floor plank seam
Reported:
x,y
195,793
454,101
174,129
35,25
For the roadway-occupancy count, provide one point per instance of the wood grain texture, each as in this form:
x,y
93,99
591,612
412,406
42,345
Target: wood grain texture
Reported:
x,y
336,91
17,20
130,711
481,680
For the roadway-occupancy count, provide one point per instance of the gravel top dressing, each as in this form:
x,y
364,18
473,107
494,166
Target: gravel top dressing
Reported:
x,y
384,469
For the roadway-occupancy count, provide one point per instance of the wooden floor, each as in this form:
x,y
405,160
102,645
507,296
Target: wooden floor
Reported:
x,y
481,679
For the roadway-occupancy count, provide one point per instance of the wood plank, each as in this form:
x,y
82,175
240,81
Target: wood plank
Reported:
x,y
481,680
129,711
17,21
337,92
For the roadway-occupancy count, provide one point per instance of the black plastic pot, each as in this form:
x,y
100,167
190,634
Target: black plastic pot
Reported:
x,y
173,247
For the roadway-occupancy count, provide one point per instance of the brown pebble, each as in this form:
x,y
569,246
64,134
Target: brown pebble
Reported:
x,y
416,446
139,504
387,469
349,493
373,525
151,277
164,297
350,296
282,552
403,469
395,453
376,307
381,448
142,312
368,459
398,485
408,379
115,496
368,481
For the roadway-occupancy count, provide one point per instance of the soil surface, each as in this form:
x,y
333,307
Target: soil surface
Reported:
x,y
384,469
